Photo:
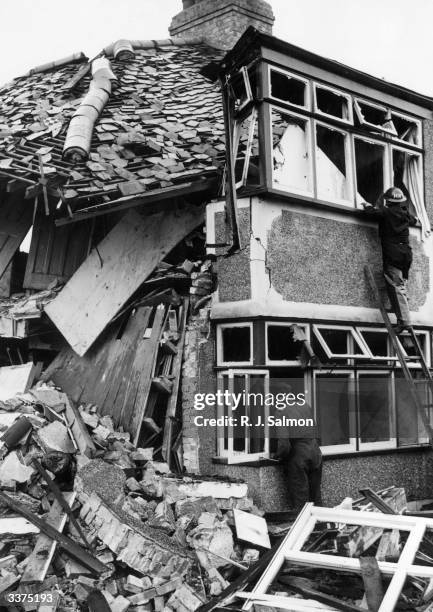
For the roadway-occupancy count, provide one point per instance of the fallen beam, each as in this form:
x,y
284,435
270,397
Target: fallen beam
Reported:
x,y
69,546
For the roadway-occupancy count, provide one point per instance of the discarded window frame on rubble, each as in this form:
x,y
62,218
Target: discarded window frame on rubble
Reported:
x,y
405,567
237,441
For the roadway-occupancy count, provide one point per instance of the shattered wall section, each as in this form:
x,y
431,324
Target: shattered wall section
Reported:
x,y
197,373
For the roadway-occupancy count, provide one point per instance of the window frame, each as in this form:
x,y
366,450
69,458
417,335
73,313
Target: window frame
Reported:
x,y
417,122
386,166
220,346
350,174
239,457
336,449
307,82
385,444
337,92
271,362
311,192
381,330
350,328
253,116
362,121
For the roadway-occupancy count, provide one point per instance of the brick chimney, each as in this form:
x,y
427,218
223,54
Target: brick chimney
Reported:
x,y
221,22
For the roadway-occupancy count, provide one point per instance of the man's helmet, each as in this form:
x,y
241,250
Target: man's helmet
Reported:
x,y
394,194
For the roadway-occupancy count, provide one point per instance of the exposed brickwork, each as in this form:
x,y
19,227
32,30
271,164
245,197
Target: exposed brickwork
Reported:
x,y
221,22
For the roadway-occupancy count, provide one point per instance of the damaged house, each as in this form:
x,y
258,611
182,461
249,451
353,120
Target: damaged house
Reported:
x,y
193,208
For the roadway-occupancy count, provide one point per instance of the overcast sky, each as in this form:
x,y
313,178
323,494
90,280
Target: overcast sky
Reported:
x,y
391,39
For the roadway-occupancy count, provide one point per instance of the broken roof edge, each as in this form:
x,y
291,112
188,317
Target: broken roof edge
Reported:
x,y
110,50
253,36
74,58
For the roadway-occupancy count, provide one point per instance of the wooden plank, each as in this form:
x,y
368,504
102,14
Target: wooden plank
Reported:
x,y
55,253
372,579
17,379
43,552
79,430
68,545
114,271
284,603
306,588
172,402
16,216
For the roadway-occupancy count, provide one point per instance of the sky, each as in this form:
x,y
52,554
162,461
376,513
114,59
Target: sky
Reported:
x,y
391,39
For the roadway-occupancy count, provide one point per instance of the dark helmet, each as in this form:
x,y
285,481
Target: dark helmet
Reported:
x,y
394,195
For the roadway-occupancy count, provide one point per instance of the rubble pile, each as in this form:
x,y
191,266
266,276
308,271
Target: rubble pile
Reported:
x,y
165,541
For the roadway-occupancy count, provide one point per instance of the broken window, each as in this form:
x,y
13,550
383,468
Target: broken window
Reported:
x,y
291,152
241,88
332,167
373,116
236,439
246,150
281,346
375,410
407,129
289,88
235,343
407,175
411,429
335,409
369,169
341,342
332,103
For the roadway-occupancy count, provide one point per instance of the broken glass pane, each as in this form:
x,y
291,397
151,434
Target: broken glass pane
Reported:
x,y
406,129
241,89
369,165
374,116
246,147
281,345
377,342
291,152
236,344
332,103
288,88
331,167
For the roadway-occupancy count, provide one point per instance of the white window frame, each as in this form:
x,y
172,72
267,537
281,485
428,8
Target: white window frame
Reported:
x,y
237,457
363,121
355,335
281,362
427,355
243,73
287,73
253,116
311,192
220,351
381,330
350,201
413,120
384,444
337,92
386,168
418,154
336,449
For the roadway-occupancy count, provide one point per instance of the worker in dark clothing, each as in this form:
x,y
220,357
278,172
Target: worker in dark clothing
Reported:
x,y
394,223
299,452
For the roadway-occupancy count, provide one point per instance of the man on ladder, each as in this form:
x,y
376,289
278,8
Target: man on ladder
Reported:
x,y
394,223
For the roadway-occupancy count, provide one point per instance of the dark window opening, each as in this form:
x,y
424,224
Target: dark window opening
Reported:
x,y
236,342
337,340
377,342
287,88
406,129
332,180
369,170
281,346
331,103
372,114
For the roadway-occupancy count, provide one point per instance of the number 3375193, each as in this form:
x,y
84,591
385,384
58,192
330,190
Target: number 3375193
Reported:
x,y
29,597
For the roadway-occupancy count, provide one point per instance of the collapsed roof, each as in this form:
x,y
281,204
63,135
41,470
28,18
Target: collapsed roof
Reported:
x,y
156,121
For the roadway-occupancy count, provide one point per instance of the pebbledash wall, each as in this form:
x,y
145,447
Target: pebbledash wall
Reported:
x,y
299,262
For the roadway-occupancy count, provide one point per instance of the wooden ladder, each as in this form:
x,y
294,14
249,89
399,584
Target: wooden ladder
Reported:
x,y
413,385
